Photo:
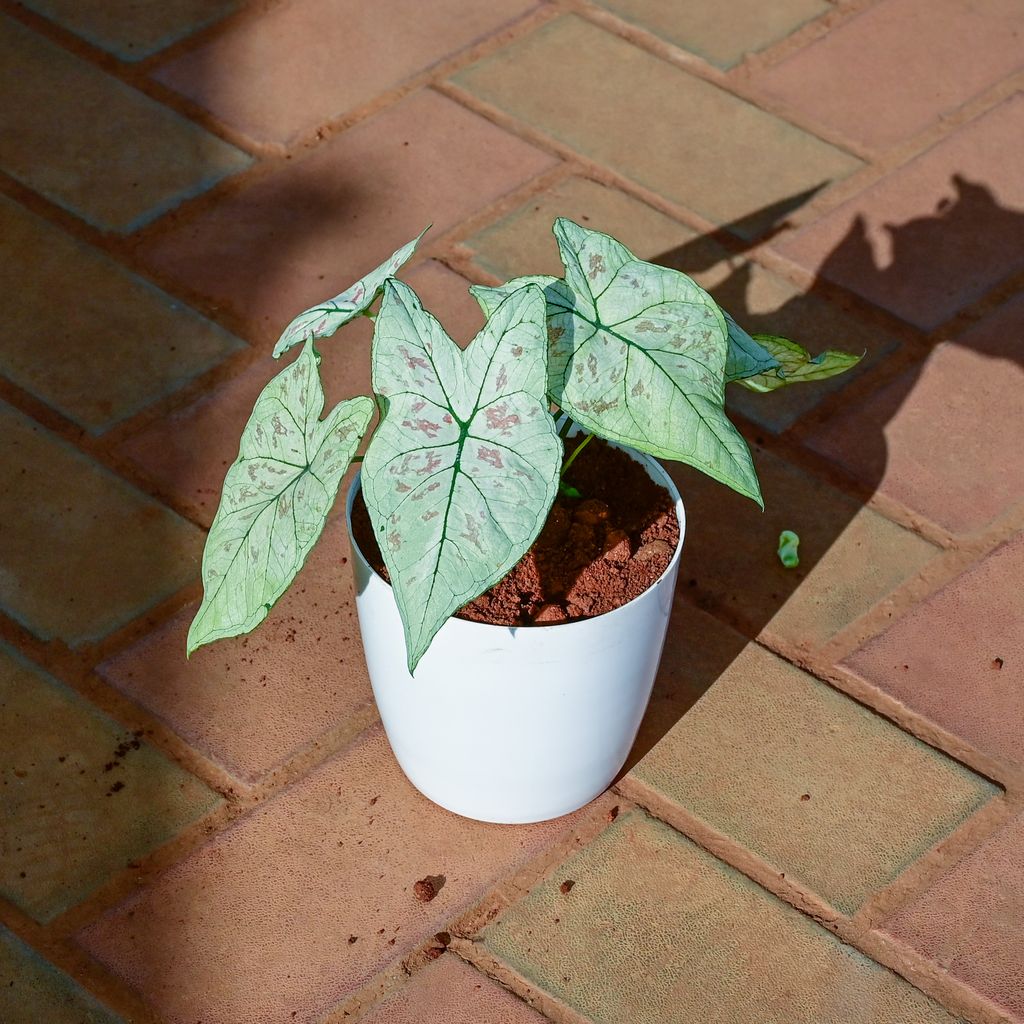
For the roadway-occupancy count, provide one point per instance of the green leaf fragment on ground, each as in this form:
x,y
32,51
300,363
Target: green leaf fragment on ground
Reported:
x,y
789,544
464,466
276,498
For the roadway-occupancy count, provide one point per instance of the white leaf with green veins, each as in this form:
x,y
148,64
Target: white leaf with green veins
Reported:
x,y
796,365
323,319
463,468
638,354
276,498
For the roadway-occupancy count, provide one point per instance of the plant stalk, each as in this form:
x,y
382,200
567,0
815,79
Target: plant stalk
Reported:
x,y
572,458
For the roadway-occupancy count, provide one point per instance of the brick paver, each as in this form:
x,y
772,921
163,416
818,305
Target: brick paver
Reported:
x,y
522,242
934,235
278,76
249,703
32,990
926,53
343,210
958,658
118,159
700,28
82,796
607,91
860,164
698,649
826,791
450,992
717,947
126,343
971,923
295,907
133,31
67,519
850,557
931,438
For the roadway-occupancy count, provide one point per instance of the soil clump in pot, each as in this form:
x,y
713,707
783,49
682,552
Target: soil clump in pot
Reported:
x,y
595,553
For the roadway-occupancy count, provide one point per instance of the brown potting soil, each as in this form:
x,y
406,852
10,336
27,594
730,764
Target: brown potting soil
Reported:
x,y
595,553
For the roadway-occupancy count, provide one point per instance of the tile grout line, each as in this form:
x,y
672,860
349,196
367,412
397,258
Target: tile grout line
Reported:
x,y
503,893
734,81
63,954
948,992
726,80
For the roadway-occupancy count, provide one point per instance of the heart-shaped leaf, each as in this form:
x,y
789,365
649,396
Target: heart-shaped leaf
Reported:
x,y
276,498
323,319
463,468
638,354
796,365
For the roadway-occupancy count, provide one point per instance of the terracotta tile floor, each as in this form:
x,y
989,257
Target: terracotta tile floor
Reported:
x,y
833,833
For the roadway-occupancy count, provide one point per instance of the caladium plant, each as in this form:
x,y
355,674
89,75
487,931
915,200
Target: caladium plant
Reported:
x,y
466,458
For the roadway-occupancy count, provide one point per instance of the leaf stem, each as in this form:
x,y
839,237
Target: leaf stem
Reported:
x,y
567,424
572,458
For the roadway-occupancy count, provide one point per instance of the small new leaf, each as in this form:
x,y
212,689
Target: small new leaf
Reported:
x,y
463,468
795,364
323,319
276,498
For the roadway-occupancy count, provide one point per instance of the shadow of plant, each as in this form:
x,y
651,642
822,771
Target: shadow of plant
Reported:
x,y
849,557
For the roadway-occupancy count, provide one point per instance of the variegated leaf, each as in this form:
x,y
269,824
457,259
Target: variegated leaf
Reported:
x,y
276,498
646,361
463,468
796,365
745,357
323,319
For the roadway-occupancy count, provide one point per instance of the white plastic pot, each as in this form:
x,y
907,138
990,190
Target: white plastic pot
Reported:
x,y
516,724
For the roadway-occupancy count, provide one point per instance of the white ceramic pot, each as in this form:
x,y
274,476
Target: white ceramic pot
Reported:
x,y
516,724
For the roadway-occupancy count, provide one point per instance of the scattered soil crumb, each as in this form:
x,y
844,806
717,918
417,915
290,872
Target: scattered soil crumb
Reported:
x,y
997,663
427,888
566,887
613,813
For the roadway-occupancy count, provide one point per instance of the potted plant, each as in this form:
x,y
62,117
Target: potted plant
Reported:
x,y
503,722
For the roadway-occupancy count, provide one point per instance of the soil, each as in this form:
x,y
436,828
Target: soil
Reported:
x,y
595,553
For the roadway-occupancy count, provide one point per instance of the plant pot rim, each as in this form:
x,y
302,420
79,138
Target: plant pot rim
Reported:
x,y
657,473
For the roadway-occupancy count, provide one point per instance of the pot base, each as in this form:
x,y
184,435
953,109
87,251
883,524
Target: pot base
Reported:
x,y
490,816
